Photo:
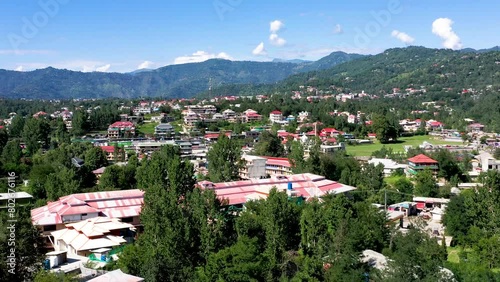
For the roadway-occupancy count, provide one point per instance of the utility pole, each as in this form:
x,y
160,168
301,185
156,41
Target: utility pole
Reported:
x,y
385,199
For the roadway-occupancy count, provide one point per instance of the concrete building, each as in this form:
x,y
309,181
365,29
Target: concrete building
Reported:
x,y
419,163
304,186
123,204
164,130
121,129
275,116
81,238
389,165
254,167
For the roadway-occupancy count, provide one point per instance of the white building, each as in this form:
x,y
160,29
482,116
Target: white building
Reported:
x,y
254,168
389,165
275,116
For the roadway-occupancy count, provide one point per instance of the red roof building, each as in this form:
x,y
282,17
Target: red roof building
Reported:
x,y
304,185
123,204
419,163
121,129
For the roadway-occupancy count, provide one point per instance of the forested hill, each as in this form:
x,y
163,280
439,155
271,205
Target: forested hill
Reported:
x,y
411,67
184,80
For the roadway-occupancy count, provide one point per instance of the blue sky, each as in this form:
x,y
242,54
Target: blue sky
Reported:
x,y
122,36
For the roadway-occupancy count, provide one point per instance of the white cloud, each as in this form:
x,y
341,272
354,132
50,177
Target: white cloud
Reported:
x,y
442,28
259,50
275,26
338,29
146,65
403,37
276,40
19,68
104,68
200,56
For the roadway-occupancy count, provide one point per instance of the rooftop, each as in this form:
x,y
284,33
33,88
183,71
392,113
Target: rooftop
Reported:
x,y
306,185
422,159
119,204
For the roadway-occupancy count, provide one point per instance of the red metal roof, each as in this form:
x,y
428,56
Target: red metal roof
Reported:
x,y
306,185
278,161
122,203
122,124
276,112
423,159
108,149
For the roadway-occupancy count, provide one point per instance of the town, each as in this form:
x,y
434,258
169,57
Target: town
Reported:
x,y
86,231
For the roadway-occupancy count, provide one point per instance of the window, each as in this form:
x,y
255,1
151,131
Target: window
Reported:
x,y
49,228
84,214
127,219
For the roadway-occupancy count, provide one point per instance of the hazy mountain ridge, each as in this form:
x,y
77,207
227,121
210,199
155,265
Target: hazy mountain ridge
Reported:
x,y
183,80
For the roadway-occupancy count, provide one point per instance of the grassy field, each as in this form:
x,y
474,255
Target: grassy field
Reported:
x,y
415,141
147,128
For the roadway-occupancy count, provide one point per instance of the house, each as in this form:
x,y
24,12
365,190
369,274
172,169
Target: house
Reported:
x,y
278,166
254,167
164,130
329,132
121,129
116,276
109,151
303,186
229,115
98,233
475,127
389,165
303,116
428,203
488,162
419,163
19,198
123,204
275,116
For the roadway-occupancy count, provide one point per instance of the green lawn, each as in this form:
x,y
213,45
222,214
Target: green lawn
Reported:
x,y
147,128
453,254
391,180
415,141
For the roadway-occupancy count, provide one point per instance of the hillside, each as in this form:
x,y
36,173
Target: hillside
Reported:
x,y
184,80
411,67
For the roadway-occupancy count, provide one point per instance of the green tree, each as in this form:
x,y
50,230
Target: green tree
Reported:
x,y
61,133
12,152
387,128
61,183
224,160
79,123
16,127
296,157
36,134
425,184
95,158
269,145
414,244
242,261
496,154
4,138
29,244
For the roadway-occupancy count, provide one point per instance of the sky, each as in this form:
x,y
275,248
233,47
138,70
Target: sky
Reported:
x,y
126,35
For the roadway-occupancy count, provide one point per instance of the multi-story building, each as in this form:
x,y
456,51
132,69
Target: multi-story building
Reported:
x,y
81,238
164,130
278,166
121,129
123,204
419,163
275,116
254,167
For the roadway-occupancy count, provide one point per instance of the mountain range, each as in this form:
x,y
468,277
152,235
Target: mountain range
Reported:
x,y
398,67
174,81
